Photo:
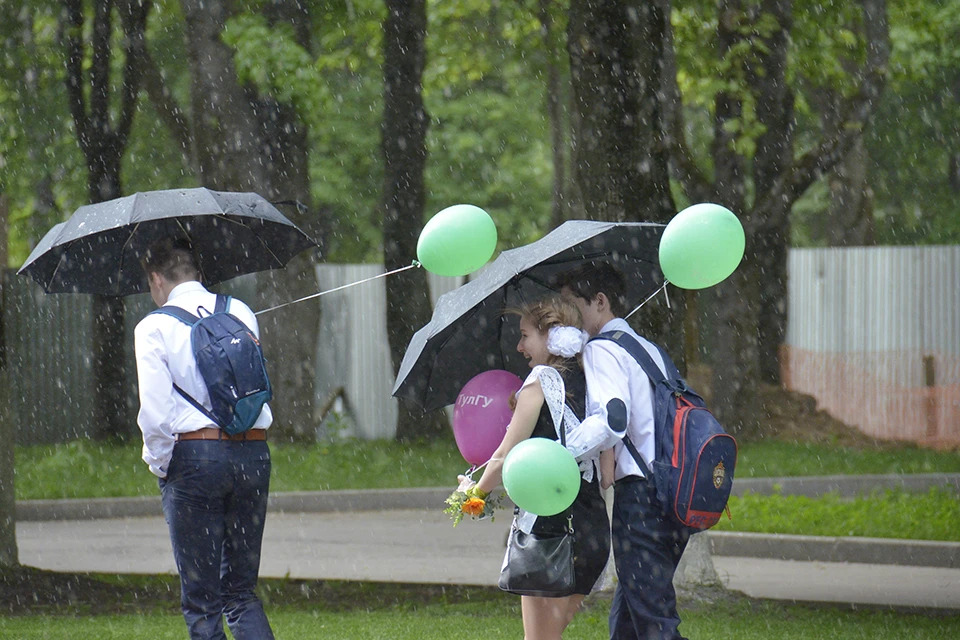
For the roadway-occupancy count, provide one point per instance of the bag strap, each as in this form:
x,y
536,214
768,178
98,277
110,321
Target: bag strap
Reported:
x,y
632,346
188,318
196,405
177,312
632,448
223,303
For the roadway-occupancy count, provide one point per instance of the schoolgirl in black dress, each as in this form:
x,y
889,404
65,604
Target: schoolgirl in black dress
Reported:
x,y
591,526
550,340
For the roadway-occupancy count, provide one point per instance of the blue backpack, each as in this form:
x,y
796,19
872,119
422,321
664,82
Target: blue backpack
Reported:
x,y
695,458
231,363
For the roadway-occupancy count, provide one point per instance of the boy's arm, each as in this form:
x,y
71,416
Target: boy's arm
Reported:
x,y
156,399
608,467
608,393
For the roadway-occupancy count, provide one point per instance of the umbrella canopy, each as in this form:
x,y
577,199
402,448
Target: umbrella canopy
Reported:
x,y
468,333
98,249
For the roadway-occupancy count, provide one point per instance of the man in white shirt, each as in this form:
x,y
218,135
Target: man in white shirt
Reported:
x,y
647,544
214,486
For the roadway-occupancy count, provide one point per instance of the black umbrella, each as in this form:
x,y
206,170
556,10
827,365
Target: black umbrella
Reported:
x,y
98,249
468,333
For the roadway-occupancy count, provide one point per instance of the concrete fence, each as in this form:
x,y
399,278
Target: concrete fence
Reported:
x,y
873,334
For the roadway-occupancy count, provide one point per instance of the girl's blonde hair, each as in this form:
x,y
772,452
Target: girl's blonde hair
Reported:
x,y
547,313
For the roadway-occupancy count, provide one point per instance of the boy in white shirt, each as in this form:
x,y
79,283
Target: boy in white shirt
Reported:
x,y
214,486
647,544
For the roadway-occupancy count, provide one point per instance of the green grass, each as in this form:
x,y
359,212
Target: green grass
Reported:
x,y
934,515
737,619
85,469
775,458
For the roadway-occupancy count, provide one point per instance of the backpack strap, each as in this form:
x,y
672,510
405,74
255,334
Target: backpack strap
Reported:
x,y
189,319
632,346
223,303
632,448
177,312
196,405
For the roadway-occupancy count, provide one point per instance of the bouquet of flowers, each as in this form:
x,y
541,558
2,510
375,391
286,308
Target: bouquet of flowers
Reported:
x,y
470,500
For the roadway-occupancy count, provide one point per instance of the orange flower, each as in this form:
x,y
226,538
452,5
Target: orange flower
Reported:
x,y
473,507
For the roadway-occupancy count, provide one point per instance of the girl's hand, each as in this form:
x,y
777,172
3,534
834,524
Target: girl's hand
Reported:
x,y
465,483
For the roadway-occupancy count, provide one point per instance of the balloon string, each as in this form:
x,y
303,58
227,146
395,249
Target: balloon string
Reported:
x,y
472,470
663,288
340,288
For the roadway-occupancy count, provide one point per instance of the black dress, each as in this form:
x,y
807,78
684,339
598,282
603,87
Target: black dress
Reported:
x,y
591,526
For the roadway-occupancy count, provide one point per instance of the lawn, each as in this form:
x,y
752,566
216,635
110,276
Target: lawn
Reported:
x,y
360,611
934,515
774,458
85,469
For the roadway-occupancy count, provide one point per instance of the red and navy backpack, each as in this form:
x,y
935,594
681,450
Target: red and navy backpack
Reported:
x,y
695,458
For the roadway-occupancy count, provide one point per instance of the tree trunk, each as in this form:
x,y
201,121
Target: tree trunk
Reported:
x,y
555,114
405,152
772,158
112,418
851,201
616,54
848,220
243,141
9,554
225,126
102,140
750,306
616,49
791,178
290,333
696,567
733,301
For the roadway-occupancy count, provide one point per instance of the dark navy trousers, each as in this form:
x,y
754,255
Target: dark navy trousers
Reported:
x,y
215,504
647,546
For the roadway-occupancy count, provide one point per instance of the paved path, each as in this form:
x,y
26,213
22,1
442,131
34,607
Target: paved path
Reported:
x,y
420,546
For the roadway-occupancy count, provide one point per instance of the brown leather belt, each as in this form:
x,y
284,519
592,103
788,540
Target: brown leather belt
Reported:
x,y
212,433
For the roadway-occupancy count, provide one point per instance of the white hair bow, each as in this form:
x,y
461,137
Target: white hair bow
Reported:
x,y
566,341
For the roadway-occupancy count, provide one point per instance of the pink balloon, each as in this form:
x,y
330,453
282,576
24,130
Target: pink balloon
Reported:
x,y
482,413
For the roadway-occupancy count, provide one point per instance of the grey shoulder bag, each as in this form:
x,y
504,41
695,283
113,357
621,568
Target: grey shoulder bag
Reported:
x,y
538,564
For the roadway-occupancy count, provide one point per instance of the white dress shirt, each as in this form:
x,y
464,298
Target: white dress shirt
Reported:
x,y
164,358
613,373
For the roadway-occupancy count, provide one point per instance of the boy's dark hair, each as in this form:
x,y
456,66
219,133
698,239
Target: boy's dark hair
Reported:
x,y
591,278
172,257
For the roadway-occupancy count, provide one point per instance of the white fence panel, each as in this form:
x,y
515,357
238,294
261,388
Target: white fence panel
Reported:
x,y
353,355
874,334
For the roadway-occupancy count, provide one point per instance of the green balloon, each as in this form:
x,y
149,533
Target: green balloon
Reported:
x,y
457,241
541,476
701,246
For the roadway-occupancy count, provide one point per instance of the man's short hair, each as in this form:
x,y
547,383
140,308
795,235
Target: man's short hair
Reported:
x,y
591,278
172,257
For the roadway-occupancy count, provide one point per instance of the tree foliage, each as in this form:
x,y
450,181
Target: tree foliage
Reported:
x,y
484,86
487,86
914,146
42,171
